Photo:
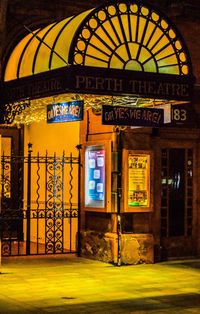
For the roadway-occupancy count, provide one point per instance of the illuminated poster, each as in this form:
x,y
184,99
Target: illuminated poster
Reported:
x,y
95,176
138,180
65,112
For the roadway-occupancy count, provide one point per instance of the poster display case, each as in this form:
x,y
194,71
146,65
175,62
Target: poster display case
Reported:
x,y
137,181
97,179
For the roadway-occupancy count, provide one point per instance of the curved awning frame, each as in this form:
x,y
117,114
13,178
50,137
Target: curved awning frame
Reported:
x,y
137,26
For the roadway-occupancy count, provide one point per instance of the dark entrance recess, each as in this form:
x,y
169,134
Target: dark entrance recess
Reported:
x,y
176,192
176,202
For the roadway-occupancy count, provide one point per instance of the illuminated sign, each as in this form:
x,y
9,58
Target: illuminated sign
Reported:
x,y
95,176
65,111
155,89
139,180
133,116
88,79
114,81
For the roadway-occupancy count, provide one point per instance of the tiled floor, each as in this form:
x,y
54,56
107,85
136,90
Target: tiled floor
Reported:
x,y
76,285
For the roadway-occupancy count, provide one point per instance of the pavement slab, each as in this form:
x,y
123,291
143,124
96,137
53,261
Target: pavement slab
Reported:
x,y
70,284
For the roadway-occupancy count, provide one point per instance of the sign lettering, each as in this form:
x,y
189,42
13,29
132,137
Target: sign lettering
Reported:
x,y
118,115
86,79
138,180
183,115
136,87
65,112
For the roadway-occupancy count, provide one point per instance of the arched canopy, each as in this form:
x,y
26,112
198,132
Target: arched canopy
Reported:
x,y
124,51
126,35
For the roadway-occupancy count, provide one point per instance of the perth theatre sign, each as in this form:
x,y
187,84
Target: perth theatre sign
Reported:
x,y
81,79
155,89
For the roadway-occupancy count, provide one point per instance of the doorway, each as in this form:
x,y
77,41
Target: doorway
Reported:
x,y
176,202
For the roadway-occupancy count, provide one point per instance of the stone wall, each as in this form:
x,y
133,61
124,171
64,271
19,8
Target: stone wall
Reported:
x,y
135,248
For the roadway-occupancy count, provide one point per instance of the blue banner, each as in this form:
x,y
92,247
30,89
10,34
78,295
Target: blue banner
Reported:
x,y
65,111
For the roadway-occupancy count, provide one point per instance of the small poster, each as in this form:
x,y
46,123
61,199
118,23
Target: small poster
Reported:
x,y
138,180
95,176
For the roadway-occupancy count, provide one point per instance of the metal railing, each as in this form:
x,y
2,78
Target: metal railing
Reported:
x,y
40,204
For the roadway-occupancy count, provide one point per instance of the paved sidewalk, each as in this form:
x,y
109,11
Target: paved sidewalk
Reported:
x,y
76,285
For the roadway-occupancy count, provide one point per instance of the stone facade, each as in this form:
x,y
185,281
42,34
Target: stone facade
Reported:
x,y
135,248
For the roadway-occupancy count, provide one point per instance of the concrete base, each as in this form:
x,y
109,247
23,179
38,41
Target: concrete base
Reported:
x,y
135,248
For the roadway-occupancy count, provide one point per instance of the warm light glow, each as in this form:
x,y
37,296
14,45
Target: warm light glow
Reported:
x,y
12,65
43,49
138,180
37,110
131,37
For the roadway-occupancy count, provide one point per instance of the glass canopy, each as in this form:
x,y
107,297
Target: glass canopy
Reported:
x,y
129,35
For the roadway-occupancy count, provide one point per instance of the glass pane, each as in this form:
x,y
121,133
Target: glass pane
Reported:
x,y
176,192
138,180
95,176
6,146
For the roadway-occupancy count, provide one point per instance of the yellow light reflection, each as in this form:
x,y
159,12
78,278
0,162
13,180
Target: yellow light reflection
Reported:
x,y
11,68
113,36
37,110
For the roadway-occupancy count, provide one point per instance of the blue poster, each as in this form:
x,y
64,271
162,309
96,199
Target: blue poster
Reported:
x,y
65,111
95,177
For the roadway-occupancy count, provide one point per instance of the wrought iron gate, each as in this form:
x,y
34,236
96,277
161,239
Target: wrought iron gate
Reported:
x,y
40,204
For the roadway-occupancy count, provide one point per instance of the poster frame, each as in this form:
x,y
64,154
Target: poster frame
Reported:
x,y
125,183
106,144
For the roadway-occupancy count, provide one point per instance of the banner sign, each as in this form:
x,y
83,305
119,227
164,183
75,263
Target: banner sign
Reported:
x,y
65,112
183,115
92,80
120,82
132,116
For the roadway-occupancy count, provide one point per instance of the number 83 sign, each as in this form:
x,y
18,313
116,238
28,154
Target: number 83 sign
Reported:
x,y
183,115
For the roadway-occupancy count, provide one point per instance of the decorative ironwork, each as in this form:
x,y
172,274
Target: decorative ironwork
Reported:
x,y
46,221
12,185
54,222
130,35
36,111
11,110
6,177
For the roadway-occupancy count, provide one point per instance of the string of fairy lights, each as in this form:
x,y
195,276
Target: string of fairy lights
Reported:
x,y
36,111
